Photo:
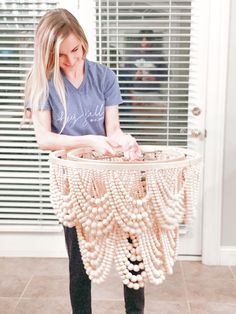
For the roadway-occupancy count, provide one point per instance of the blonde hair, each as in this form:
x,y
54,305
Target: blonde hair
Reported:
x,y
53,28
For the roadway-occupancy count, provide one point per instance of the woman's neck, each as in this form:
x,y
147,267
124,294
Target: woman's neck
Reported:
x,y
76,75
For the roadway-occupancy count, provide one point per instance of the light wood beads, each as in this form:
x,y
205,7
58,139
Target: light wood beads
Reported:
x,y
129,215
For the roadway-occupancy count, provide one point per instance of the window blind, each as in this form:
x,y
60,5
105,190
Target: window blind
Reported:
x,y
24,178
147,44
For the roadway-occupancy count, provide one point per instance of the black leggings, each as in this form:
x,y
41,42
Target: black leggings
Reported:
x,y
80,284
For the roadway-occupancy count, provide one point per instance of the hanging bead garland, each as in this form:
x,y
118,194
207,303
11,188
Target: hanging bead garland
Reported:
x,y
126,211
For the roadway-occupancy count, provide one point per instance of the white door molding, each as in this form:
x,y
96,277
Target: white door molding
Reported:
x,y
228,255
216,91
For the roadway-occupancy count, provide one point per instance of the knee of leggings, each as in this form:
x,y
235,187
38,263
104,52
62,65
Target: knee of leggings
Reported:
x,y
78,273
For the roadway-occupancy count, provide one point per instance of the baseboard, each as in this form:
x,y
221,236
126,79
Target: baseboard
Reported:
x,y
192,258
45,244
32,244
228,255
34,253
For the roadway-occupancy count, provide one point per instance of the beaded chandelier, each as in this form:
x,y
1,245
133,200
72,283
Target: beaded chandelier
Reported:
x,y
126,211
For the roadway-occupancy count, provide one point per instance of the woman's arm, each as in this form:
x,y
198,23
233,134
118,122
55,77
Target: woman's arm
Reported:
x,y
117,138
112,122
47,140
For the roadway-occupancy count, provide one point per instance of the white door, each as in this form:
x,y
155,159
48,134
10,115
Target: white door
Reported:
x,y
161,76
159,111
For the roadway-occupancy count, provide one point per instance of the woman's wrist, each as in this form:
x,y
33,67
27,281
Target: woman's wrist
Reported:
x,y
84,141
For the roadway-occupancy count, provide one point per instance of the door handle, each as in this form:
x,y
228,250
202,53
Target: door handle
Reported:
x,y
196,111
196,133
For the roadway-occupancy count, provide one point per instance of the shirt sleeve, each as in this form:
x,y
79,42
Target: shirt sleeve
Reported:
x,y
111,89
42,106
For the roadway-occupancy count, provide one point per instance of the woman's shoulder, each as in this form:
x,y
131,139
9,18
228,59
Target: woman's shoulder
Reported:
x,y
51,86
96,65
101,75
98,69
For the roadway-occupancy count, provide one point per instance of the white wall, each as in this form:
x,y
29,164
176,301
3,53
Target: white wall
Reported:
x,y
229,177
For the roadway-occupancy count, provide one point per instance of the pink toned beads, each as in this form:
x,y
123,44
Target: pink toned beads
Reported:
x,y
127,212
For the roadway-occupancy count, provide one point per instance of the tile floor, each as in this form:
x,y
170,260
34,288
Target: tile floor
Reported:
x,y
40,286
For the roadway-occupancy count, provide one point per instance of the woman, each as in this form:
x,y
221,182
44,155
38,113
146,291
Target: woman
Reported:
x,y
73,102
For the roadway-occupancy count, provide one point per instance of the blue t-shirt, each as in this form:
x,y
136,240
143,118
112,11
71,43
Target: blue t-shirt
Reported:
x,y
86,104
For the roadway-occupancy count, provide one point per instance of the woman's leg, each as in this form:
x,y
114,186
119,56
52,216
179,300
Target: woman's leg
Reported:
x,y
80,284
134,300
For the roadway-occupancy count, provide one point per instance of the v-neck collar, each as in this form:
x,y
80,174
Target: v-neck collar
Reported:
x,y
84,79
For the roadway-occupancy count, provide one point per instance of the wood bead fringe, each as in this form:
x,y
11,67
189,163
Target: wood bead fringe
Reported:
x,y
128,216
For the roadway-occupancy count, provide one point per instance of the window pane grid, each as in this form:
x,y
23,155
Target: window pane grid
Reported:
x,y
24,170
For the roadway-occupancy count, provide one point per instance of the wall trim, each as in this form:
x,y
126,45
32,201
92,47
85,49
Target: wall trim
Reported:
x,y
34,244
46,244
189,258
216,93
228,255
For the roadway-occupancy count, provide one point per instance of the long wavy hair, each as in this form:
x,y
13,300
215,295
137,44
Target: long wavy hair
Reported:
x,y
55,26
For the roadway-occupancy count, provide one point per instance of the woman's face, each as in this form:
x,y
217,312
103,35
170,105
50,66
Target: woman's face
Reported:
x,y
70,53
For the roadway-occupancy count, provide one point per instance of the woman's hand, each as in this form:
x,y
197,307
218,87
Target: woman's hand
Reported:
x,y
116,138
101,145
125,143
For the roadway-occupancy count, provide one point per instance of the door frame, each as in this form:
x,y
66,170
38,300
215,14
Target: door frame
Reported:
x,y
216,95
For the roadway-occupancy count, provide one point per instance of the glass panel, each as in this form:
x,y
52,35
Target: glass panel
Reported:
x,y
147,44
